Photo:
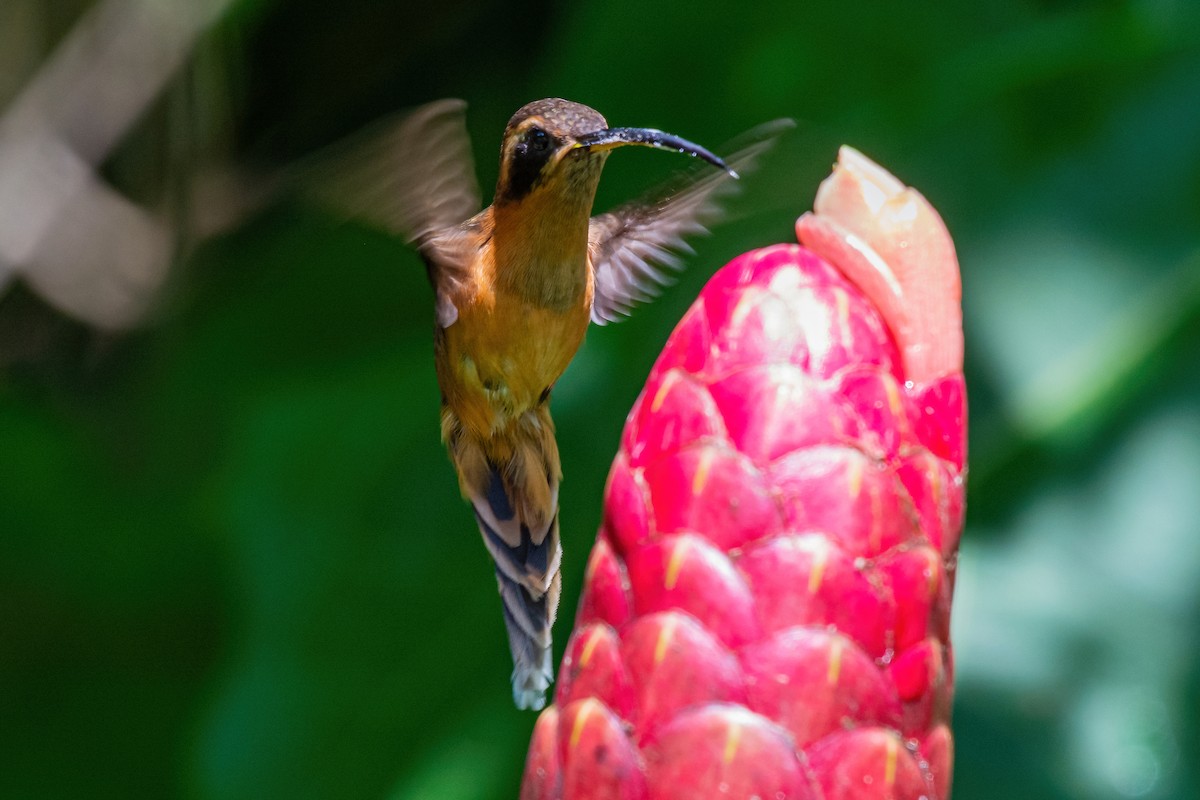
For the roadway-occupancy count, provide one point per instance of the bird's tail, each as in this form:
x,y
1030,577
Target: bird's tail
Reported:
x,y
511,480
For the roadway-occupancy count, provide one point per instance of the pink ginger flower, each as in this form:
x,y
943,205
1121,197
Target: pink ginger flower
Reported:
x,y
767,606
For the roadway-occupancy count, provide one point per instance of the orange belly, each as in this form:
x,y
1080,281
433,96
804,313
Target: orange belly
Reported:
x,y
502,355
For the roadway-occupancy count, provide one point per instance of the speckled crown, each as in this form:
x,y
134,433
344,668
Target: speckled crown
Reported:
x,y
561,116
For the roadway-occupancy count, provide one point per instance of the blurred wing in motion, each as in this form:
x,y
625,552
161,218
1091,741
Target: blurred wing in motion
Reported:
x,y
631,245
411,175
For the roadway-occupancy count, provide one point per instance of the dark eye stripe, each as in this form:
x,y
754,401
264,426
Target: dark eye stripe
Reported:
x,y
526,163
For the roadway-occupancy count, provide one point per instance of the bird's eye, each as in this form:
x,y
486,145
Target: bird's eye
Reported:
x,y
539,141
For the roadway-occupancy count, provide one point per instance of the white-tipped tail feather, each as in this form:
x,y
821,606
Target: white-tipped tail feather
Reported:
x,y
512,482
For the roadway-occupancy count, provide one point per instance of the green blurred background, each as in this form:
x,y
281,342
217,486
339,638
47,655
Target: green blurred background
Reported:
x,y
233,559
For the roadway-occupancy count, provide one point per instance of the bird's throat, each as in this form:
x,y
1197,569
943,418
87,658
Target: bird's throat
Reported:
x,y
540,247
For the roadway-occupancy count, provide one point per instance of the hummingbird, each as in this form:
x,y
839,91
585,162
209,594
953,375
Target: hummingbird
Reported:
x,y
517,285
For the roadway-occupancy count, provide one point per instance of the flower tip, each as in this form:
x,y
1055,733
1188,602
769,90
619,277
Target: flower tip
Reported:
x,y
867,170
888,240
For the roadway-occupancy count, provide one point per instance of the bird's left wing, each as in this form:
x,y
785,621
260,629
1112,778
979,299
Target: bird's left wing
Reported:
x,y
410,174
632,245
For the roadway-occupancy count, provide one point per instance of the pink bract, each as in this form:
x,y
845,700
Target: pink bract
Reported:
x,y
766,610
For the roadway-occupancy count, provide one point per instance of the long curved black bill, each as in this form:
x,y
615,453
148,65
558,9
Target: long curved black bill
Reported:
x,y
649,137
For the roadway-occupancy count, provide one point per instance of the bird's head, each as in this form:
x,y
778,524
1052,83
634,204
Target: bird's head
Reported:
x,y
561,146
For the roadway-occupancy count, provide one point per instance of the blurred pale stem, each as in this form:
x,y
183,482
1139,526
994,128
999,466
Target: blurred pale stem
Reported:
x,y
88,250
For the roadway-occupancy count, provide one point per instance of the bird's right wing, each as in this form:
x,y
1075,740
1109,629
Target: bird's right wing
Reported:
x,y
410,174
631,245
